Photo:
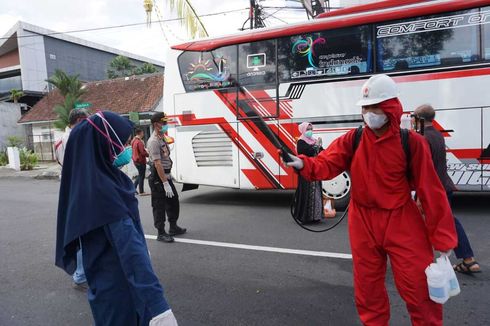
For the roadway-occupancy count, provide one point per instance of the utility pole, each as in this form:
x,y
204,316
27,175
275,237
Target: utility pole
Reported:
x,y
315,7
252,13
255,15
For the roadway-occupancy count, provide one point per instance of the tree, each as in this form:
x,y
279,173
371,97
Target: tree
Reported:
x,y
63,111
187,15
189,18
16,94
67,84
70,88
121,66
147,68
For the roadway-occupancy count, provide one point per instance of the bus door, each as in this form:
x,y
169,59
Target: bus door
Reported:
x,y
257,113
205,148
258,128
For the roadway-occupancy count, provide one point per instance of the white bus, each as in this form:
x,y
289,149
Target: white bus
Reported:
x,y
220,91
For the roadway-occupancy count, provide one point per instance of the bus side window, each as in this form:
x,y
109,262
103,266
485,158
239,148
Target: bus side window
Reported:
x,y
415,43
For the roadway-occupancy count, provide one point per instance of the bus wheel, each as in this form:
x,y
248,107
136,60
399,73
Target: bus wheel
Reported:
x,y
338,189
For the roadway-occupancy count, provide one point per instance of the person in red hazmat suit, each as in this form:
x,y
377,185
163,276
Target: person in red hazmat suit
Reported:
x,y
384,221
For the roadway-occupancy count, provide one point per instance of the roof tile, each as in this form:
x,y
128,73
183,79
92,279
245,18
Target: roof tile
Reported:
x,y
121,95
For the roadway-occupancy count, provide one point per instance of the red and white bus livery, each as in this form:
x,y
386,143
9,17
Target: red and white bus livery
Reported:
x,y
227,94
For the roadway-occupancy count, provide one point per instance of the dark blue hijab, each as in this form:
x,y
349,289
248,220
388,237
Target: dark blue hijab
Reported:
x,y
93,192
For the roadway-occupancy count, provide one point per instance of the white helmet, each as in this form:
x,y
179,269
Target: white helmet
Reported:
x,y
377,89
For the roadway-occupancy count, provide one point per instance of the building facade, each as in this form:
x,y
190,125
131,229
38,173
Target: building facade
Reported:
x,y
30,54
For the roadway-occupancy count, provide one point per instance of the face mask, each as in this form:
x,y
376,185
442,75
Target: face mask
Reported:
x,y
309,133
123,158
375,121
164,129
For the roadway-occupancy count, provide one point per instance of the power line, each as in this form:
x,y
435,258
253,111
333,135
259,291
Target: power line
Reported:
x,y
124,25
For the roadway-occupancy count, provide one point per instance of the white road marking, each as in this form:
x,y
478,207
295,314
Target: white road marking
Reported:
x,y
259,248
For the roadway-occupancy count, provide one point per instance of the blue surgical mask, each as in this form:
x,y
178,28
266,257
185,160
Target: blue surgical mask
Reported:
x,y
164,129
123,158
309,133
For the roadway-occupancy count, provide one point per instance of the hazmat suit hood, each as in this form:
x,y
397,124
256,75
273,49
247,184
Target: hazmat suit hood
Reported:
x,y
393,110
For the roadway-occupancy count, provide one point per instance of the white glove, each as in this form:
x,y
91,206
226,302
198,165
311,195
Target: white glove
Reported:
x,y
164,319
296,162
168,189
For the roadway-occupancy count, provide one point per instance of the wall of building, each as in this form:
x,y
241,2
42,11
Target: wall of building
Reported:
x,y
9,115
91,64
9,59
42,139
32,61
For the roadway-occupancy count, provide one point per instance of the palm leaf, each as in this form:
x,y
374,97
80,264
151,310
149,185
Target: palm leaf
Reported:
x,y
189,18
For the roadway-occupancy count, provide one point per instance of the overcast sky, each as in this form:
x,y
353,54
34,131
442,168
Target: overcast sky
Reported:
x,y
63,16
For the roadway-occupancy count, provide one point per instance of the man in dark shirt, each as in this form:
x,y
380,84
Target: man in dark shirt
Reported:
x,y
438,151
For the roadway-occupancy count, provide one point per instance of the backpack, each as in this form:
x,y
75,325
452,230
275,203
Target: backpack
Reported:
x,y
404,135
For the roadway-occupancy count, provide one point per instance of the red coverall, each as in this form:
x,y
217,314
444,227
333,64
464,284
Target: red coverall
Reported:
x,y
384,220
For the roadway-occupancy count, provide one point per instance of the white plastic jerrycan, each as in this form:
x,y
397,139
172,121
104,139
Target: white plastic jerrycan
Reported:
x,y
444,262
438,283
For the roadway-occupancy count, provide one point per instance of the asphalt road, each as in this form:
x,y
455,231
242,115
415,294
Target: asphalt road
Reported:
x,y
210,285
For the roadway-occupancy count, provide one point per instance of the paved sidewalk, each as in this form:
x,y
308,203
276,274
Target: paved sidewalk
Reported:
x,y
44,170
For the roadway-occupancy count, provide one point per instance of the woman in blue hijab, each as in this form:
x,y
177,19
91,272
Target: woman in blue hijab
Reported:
x,y
97,209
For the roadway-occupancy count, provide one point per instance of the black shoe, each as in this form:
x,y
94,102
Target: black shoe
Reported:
x,y
176,230
164,237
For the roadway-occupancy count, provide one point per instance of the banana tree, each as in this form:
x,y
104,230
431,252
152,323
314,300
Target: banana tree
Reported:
x,y
188,17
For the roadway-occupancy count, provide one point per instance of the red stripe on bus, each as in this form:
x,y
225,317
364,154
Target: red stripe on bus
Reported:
x,y
259,180
326,24
255,131
367,7
444,75
466,153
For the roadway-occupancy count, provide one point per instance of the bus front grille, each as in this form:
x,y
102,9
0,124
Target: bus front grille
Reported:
x,y
212,148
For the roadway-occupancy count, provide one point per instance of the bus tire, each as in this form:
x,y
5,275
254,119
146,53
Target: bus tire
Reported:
x,y
338,189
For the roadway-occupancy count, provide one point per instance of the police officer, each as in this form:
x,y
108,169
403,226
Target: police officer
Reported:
x,y
164,197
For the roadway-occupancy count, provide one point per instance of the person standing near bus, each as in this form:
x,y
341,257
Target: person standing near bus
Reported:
x,y
438,151
139,159
75,117
384,221
164,197
310,192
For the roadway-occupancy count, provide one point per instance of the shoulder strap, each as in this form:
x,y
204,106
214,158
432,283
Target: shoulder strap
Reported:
x,y
357,139
404,135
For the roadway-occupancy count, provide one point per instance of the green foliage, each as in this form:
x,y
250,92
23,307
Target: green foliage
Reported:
x,y
121,66
28,159
67,84
63,111
71,89
16,94
147,68
14,141
3,158
190,19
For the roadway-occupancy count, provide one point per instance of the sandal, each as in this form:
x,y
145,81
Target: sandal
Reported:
x,y
466,267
